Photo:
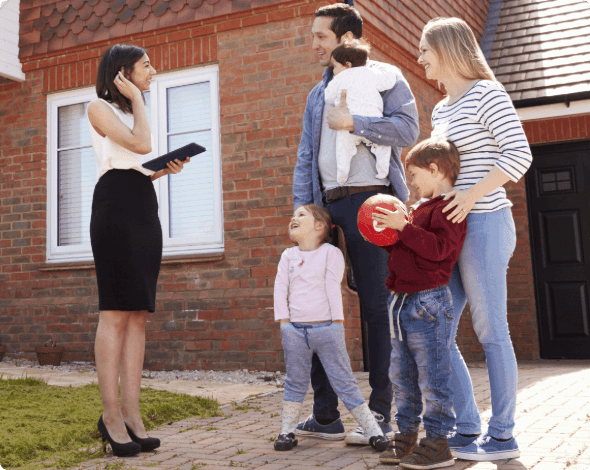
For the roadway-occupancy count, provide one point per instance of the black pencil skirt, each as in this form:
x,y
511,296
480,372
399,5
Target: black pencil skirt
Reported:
x,y
126,238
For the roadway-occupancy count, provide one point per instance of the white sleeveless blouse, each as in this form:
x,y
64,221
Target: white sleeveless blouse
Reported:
x,y
110,155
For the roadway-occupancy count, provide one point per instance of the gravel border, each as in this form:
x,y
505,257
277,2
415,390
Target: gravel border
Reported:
x,y
243,376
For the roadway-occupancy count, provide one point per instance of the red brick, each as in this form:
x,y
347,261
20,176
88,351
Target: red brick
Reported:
x,y
281,15
179,35
573,123
254,20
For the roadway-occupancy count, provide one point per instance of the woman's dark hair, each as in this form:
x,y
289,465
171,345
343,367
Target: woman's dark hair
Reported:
x,y
117,57
356,53
333,233
344,19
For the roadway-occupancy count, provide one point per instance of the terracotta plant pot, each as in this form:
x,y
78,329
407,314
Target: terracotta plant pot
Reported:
x,y
2,351
49,356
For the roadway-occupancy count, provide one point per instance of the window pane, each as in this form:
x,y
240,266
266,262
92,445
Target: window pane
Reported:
x,y
189,108
77,177
192,211
73,128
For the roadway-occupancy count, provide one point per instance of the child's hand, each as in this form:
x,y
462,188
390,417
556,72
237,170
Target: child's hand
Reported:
x,y
390,219
340,322
284,320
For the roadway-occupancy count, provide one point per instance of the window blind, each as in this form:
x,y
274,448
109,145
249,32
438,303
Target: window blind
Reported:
x,y
76,174
192,210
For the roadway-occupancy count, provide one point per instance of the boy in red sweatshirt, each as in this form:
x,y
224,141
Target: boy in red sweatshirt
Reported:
x,y
421,308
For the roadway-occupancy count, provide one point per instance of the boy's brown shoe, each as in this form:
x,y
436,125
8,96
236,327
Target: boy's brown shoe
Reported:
x,y
401,445
430,453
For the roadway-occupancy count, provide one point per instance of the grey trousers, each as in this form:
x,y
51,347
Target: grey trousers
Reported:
x,y
326,339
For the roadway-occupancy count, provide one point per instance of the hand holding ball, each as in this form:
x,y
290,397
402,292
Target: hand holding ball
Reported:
x,y
370,229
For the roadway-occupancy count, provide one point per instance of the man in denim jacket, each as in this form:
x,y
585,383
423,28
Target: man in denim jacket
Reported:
x,y
315,181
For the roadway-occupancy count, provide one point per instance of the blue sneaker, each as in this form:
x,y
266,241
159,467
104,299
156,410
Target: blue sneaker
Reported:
x,y
311,428
486,448
358,437
457,440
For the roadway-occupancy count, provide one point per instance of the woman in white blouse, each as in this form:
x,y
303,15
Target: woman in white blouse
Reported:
x,y
478,116
126,239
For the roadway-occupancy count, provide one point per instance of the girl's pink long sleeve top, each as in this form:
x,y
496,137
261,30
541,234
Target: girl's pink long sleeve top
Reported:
x,y
307,286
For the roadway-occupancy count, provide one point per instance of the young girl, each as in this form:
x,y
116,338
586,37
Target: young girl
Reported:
x,y
363,87
308,303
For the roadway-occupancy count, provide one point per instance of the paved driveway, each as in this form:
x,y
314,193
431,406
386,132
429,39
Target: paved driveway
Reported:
x,y
552,429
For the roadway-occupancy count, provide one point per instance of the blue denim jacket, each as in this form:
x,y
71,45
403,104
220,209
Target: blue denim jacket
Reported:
x,y
397,128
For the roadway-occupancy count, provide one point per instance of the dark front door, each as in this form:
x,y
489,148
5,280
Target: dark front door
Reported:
x,y
558,191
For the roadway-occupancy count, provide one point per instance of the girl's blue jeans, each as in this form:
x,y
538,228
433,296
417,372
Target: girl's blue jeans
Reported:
x,y
479,277
326,339
421,361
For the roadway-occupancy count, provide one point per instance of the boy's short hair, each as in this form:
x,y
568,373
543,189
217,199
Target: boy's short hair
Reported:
x,y
439,150
344,19
356,53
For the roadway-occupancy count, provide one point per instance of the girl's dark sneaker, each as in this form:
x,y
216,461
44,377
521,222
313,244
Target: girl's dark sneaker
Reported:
x,y
285,441
379,443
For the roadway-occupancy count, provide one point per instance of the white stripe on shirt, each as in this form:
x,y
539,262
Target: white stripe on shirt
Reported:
x,y
484,126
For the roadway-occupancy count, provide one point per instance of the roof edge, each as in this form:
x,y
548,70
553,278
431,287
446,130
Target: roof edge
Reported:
x,y
567,98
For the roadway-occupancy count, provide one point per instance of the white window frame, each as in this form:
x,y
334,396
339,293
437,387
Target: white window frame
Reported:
x,y
171,246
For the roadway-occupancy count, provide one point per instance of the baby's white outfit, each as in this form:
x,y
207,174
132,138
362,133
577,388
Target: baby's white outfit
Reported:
x,y
362,85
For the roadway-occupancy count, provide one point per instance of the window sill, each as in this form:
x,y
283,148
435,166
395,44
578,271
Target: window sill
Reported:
x,y
181,259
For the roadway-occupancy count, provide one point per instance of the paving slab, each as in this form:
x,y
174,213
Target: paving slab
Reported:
x,y
552,428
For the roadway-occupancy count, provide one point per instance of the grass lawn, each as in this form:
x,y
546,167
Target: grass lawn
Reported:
x,y
40,422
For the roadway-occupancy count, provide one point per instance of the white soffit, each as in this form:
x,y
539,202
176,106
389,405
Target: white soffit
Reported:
x,y
10,66
548,111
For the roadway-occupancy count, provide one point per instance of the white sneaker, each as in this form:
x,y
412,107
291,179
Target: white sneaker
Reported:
x,y
358,437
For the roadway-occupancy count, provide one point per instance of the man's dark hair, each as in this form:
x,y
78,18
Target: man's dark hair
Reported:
x,y
355,53
344,19
118,57
439,150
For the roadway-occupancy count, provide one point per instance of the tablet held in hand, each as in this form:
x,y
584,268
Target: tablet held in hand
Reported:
x,y
181,154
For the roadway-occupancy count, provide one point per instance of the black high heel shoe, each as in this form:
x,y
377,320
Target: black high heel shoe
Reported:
x,y
147,444
120,450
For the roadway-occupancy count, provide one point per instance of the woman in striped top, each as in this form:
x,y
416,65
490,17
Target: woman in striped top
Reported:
x,y
478,116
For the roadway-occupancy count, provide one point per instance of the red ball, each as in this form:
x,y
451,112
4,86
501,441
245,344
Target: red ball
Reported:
x,y
368,227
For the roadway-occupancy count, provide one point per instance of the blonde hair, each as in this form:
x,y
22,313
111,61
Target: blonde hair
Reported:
x,y
454,44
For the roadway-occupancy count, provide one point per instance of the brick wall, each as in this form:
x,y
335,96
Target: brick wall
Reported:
x,y
266,69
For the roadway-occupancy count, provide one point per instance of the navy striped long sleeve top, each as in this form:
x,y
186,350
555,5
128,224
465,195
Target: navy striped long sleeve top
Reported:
x,y
484,126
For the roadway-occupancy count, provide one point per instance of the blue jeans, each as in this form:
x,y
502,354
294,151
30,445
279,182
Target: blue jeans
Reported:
x,y
369,267
326,339
421,361
479,277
